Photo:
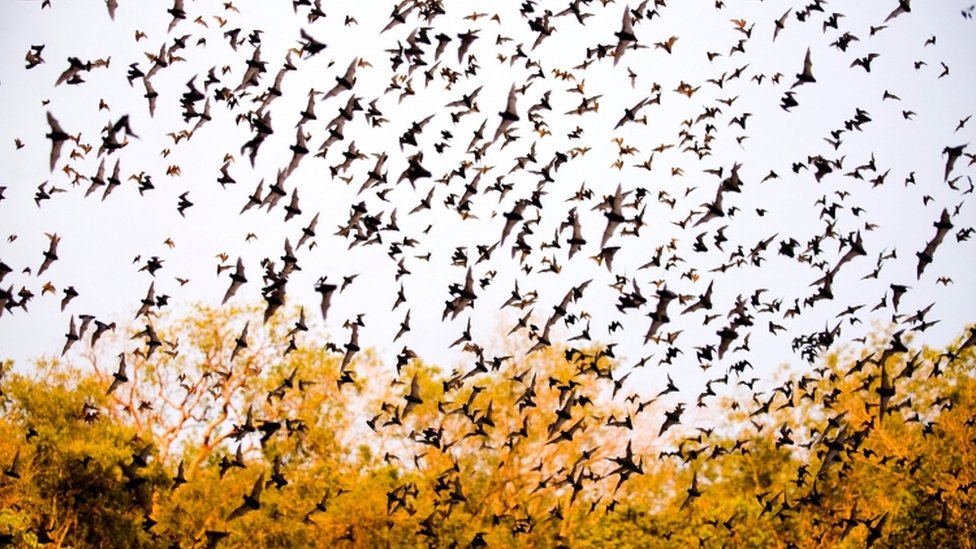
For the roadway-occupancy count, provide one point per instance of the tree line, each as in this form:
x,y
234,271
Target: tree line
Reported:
x,y
197,437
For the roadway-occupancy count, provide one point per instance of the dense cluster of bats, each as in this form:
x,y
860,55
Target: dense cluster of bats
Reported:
x,y
647,241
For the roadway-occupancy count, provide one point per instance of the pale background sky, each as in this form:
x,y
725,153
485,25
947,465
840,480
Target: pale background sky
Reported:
x,y
100,239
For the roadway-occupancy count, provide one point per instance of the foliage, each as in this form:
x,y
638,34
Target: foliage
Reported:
x,y
332,447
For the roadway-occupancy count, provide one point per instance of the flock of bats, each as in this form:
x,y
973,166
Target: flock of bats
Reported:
x,y
671,231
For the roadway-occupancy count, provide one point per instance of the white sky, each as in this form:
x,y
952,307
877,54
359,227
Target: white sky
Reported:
x,y
100,239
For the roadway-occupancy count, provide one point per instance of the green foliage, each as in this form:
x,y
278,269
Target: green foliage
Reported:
x,y
75,468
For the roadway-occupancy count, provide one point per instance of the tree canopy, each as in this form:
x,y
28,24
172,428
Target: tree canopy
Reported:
x,y
217,436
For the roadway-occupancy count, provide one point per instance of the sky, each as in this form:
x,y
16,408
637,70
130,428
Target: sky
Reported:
x,y
922,58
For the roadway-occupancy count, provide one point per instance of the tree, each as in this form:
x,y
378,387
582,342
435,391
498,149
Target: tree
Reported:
x,y
221,429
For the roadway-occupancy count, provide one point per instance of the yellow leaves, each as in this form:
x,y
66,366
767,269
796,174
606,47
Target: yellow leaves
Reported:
x,y
519,450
